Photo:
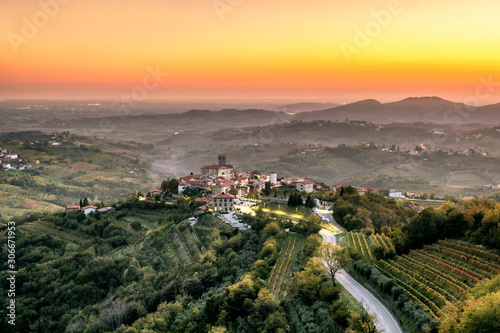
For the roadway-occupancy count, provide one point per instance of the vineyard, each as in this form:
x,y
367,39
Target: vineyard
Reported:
x,y
39,227
283,268
432,276
364,244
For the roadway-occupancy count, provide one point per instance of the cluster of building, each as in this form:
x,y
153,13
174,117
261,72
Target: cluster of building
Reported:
x,y
89,209
10,161
227,184
421,148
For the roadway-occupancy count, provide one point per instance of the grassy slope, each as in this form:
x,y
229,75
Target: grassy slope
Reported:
x,y
69,172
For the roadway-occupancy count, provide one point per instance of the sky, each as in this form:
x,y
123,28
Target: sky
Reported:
x,y
322,49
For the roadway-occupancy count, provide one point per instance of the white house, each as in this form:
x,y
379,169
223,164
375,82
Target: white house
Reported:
x,y
88,209
396,194
305,186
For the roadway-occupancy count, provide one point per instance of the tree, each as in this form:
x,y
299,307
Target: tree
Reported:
x,y
173,186
271,229
309,202
334,257
306,283
85,202
362,322
164,185
267,189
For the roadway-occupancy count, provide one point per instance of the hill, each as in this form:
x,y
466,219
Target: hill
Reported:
x,y
161,273
66,168
306,107
415,109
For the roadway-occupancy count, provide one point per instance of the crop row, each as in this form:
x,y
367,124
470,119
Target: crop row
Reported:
x,y
359,243
285,259
387,240
374,237
471,249
471,277
367,254
426,304
437,294
490,268
434,274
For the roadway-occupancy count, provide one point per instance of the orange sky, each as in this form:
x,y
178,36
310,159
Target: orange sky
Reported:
x,y
259,48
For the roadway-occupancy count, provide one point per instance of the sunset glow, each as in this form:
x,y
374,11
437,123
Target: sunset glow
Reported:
x,y
379,49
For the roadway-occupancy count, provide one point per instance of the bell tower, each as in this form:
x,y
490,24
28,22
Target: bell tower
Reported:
x,y
222,159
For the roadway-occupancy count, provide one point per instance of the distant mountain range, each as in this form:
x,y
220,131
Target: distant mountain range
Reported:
x,y
413,109
107,121
409,110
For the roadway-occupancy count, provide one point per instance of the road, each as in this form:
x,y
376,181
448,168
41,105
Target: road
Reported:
x,y
385,321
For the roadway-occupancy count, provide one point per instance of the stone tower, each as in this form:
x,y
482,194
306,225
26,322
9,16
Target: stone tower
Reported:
x,y
222,159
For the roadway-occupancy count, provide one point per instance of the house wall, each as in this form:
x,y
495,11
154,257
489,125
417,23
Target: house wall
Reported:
x,y
223,205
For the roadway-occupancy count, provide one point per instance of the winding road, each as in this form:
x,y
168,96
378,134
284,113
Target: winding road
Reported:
x,y
385,321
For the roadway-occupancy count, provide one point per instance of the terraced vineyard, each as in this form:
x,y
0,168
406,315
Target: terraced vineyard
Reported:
x,y
441,273
283,268
58,232
363,244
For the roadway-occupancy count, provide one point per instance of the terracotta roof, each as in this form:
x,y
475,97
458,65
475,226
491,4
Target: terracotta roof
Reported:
x,y
86,207
223,196
197,183
73,207
203,199
217,167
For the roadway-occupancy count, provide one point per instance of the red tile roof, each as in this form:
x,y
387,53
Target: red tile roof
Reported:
x,y
83,208
203,199
217,167
73,207
197,183
223,196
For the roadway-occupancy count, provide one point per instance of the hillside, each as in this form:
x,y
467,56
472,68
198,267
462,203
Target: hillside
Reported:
x,y
66,168
424,265
160,273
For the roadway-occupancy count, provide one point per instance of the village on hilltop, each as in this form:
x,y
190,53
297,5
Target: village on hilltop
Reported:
x,y
224,189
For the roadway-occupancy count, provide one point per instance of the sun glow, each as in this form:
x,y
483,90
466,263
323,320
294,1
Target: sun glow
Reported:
x,y
72,49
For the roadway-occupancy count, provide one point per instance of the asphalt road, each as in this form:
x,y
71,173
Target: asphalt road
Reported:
x,y
385,321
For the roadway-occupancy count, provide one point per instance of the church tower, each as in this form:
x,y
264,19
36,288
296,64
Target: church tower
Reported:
x,y
222,159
